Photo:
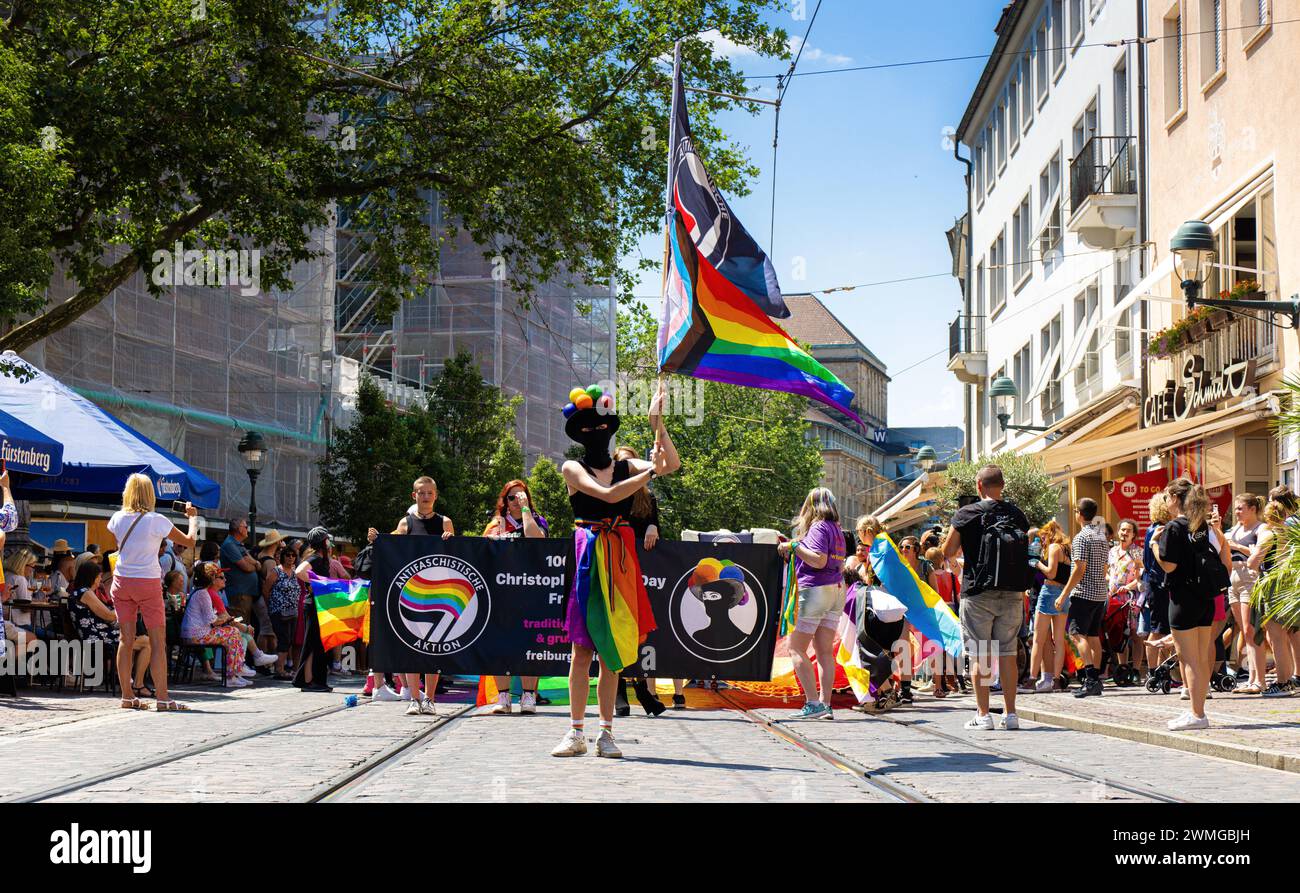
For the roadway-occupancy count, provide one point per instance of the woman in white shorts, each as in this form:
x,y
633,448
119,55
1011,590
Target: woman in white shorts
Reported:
x,y
1241,541
819,548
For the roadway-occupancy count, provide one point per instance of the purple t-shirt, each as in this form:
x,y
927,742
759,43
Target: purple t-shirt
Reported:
x,y
824,537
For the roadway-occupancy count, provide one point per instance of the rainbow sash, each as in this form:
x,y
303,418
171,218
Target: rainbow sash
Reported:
x,y
611,595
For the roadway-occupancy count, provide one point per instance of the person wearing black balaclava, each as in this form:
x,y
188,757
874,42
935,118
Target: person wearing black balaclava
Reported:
x,y
313,662
606,574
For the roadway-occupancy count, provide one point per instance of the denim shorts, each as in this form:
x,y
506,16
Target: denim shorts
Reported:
x,y
1047,597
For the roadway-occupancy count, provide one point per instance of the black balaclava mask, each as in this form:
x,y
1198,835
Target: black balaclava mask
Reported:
x,y
595,448
595,443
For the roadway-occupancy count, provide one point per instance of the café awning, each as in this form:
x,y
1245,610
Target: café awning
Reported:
x,y
99,450
1086,456
911,503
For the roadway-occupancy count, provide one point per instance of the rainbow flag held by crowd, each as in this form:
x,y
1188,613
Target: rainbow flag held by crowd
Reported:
x,y
610,591
926,610
343,610
789,599
720,290
849,658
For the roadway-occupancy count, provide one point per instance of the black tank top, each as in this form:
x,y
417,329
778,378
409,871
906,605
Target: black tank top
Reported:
x,y
1062,571
590,508
417,526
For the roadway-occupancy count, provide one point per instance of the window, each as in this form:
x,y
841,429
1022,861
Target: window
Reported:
x,y
977,170
979,293
1000,131
1085,128
1013,109
1256,19
1076,22
1120,80
998,273
1041,52
1058,36
1023,365
1089,368
1124,334
1027,87
1050,403
990,175
1022,260
1084,306
1049,207
1211,28
1049,338
1174,64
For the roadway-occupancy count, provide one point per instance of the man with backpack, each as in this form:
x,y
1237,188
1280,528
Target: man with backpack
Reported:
x,y
1090,552
992,534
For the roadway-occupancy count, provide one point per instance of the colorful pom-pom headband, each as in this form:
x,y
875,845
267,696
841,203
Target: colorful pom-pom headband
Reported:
x,y
586,398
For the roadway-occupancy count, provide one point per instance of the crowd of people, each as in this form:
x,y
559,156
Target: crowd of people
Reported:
x,y
1179,607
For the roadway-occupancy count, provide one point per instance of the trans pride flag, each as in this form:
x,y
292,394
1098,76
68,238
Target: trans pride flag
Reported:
x,y
720,290
926,610
343,610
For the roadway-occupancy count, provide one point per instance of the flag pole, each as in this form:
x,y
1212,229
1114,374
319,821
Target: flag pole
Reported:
x,y
668,189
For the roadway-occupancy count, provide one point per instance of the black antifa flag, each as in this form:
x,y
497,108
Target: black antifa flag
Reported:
x,y
479,606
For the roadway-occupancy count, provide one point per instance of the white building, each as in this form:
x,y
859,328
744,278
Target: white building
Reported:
x,y
1055,230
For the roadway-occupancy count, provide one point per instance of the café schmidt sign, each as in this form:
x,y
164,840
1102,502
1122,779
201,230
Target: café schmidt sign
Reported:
x,y
1198,388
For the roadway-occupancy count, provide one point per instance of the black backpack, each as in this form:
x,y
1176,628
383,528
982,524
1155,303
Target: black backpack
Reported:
x,y
1207,568
1003,561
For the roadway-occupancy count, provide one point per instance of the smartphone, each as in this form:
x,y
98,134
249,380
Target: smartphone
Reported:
x,y
179,506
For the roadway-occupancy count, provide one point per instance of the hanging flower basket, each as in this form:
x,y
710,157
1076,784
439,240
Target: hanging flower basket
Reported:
x,y
1199,330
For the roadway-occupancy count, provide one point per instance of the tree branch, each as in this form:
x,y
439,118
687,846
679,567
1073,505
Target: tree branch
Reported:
x,y
25,335
594,112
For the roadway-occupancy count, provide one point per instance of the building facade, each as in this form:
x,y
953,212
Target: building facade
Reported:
x,y
1054,235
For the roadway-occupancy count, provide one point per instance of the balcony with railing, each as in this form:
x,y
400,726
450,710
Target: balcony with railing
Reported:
x,y
967,356
1103,191
1243,339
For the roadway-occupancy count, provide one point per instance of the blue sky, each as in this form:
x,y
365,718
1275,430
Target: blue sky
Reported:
x,y
866,186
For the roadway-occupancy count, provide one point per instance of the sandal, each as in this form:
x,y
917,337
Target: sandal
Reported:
x,y
171,707
941,692
143,691
132,704
1250,689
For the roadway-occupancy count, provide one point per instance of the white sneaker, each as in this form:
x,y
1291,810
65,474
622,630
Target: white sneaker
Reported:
x,y
984,722
572,745
1045,685
1187,722
264,660
428,707
414,709
386,693
236,682
1010,722
528,702
247,672
503,704
605,746
404,694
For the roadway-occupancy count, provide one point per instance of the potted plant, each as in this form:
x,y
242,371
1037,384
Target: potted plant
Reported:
x,y
1247,290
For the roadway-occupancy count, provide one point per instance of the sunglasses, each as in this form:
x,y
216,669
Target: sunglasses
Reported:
x,y
908,548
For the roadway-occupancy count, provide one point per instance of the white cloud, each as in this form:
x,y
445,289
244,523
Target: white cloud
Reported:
x,y
725,46
816,54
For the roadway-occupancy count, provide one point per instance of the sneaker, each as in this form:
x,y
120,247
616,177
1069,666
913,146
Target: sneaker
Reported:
x,y
414,709
887,701
528,702
404,694
386,693
812,710
265,660
1010,722
905,695
829,714
503,704
1044,685
679,702
982,723
237,682
1187,721
1091,689
605,746
1279,690
369,690
572,745
427,707
246,672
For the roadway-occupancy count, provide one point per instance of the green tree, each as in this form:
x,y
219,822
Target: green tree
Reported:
x,y
1027,485
126,127
1278,591
473,424
748,463
551,496
366,474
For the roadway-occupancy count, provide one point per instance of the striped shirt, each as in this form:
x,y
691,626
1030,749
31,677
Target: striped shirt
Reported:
x,y
1090,546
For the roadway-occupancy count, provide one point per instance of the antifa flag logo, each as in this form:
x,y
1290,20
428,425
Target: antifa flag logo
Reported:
x,y
439,604
714,610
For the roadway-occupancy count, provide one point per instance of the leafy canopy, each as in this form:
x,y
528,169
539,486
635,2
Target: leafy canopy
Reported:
x,y
126,126
1027,485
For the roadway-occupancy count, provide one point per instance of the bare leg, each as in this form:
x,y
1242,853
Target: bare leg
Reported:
x,y
1058,644
125,646
1283,661
1192,644
158,661
606,691
824,647
143,648
798,648
1008,669
580,682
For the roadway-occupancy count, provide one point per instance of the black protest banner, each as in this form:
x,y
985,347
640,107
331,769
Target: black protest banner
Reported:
x,y
473,605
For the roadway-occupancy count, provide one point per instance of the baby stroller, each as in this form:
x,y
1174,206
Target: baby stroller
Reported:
x,y
1116,635
1167,675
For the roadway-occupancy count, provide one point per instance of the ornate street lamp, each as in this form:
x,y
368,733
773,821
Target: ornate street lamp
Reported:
x,y
926,457
1193,249
1004,392
252,450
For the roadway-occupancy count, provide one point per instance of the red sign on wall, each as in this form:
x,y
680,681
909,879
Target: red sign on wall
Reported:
x,y
1131,496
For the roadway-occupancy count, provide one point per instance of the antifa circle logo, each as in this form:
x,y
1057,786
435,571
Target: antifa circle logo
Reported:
x,y
703,204
716,608
439,604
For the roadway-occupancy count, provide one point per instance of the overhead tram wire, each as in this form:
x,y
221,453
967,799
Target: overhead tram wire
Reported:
x,y
1126,41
